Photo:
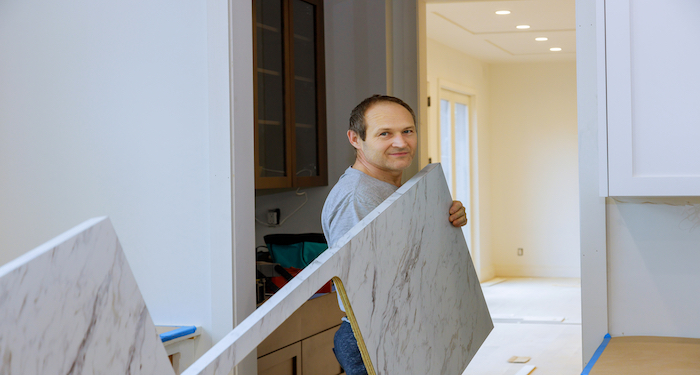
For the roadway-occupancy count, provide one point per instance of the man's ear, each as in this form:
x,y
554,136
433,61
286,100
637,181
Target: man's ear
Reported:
x,y
354,139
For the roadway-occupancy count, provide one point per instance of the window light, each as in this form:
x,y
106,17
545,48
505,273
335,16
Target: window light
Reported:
x,y
522,27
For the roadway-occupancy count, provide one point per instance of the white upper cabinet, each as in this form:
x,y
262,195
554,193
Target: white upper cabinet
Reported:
x,y
652,83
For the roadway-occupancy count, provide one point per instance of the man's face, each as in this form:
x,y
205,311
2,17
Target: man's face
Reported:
x,y
390,141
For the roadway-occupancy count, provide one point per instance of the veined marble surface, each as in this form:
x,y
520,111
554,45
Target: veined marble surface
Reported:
x,y
408,277
72,306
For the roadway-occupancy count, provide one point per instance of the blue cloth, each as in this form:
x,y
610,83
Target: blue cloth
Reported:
x,y
347,352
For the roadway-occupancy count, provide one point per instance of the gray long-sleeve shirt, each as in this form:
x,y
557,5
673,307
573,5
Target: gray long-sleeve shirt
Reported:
x,y
351,199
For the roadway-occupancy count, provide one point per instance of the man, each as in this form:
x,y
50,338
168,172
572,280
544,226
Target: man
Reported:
x,y
383,133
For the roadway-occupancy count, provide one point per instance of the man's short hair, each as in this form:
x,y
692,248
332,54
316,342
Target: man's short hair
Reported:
x,y
357,117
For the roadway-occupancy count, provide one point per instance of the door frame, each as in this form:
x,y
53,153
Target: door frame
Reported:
x,y
433,139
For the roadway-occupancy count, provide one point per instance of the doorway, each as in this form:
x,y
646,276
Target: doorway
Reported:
x,y
502,82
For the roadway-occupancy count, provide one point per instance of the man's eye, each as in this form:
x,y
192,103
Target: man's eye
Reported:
x,y
384,134
408,131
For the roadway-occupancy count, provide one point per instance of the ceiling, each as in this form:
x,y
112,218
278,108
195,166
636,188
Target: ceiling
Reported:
x,y
474,28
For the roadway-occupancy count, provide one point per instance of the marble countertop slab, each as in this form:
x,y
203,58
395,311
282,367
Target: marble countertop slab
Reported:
x,y
72,306
408,283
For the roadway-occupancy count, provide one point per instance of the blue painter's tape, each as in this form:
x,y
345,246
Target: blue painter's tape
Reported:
x,y
183,331
596,355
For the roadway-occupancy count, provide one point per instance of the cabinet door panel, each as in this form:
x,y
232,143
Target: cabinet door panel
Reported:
x,y
290,122
306,119
317,354
270,80
314,316
652,81
286,361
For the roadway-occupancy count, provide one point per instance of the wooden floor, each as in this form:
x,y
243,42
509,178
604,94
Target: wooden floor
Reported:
x,y
649,355
538,318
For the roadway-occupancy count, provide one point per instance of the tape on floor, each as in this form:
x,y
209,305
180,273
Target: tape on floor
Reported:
x,y
596,355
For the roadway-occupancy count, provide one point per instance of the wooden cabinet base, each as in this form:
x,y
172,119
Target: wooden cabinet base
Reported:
x,y
317,354
286,361
303,344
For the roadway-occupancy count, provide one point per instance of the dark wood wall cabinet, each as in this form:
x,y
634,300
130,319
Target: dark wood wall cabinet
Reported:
x,y
290,94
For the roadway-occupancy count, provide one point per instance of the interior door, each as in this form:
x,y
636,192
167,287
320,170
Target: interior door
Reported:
x,y
455,150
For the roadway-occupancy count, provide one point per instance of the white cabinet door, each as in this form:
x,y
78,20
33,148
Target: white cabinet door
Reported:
x,y
653,97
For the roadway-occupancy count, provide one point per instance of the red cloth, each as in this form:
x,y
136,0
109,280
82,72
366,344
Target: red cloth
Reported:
x,y
281,281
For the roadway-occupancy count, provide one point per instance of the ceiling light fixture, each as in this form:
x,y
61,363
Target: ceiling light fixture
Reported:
x,y
541,39
502,12
522,27
555,49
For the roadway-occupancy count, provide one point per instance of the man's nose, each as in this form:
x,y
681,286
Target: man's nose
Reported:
x,y
399,141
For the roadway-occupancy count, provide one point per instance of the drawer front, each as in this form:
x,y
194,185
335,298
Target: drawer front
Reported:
x,y
285,361
317,357
314,316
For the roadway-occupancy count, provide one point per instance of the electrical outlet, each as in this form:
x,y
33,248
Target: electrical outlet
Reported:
x,y
273,216
520,251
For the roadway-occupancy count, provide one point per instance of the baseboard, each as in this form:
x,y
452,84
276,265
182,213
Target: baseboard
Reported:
x,y
487,274
537,271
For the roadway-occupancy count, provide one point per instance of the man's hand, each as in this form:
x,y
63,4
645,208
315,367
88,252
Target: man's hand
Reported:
x,y
458,214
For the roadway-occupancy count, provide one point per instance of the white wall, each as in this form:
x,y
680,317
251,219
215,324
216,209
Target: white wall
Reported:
x,y
594,290
653,253
104,111
231,231
534,156
448,64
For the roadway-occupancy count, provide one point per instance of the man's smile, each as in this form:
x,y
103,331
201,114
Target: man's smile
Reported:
x,y
399,154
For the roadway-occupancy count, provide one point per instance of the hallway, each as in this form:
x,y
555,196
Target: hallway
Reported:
x,y
538,318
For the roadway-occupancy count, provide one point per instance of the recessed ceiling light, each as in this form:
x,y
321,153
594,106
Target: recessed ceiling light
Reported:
x,y
522,27
555,49
541,39
502,12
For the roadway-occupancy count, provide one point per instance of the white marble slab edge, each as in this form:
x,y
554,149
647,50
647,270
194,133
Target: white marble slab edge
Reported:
x,y
52,243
